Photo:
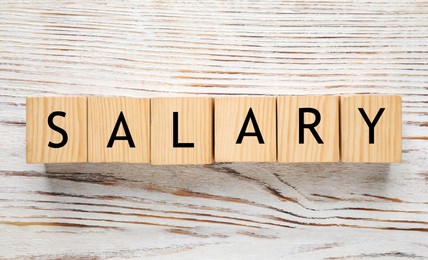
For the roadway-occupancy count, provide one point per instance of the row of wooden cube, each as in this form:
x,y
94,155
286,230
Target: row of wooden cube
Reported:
x,y
207,129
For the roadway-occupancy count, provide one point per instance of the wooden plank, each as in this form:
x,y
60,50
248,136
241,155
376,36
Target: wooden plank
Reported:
x,y
224,210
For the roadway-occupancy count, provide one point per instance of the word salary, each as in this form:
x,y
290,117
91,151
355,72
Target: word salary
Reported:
x,y
203,130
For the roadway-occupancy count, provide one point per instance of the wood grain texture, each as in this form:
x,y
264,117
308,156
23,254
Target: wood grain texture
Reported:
x,y
230,118
355,144
194,121
103,115
289,147
41,138
234,210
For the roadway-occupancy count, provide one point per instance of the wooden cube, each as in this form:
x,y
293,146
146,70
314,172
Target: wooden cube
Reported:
x,y
182,130
119,129
56,129
370,128
308,128
245,129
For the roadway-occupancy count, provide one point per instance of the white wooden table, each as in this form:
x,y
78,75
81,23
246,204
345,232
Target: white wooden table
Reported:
x,y
170,48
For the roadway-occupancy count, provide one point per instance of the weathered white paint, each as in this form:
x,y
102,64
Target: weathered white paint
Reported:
x,y
170,48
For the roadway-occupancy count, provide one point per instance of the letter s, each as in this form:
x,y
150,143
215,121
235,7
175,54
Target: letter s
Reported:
x,y
58,129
